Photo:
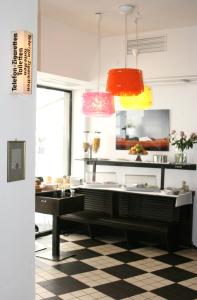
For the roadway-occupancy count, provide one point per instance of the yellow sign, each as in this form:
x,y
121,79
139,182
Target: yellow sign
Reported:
x,y
21,63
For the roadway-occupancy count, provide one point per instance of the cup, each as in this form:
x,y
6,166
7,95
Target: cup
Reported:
x,y
158,158
72,192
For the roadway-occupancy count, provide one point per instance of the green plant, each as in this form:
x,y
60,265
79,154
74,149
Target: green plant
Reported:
x,y
181,140
130,125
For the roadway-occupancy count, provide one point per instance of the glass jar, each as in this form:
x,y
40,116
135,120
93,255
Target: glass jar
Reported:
x,y
180,157
86,143
96,141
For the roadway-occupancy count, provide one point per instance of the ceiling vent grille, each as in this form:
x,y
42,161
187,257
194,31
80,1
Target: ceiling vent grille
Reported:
x,y
148,45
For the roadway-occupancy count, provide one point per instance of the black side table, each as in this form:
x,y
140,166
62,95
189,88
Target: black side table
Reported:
x,y
56,204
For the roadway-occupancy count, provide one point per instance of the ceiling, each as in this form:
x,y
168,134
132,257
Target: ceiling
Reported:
x,y
154,14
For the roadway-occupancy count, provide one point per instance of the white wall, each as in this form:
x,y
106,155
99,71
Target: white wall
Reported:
x,y
178,60
65,51
180,99
72,53
17,121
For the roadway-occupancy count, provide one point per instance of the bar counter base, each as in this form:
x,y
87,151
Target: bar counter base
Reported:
x,y
39,247
48,255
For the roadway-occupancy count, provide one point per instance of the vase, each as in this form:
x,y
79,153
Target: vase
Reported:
x,y
181,157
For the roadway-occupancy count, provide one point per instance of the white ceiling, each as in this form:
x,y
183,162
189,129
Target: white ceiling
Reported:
x,y
154,14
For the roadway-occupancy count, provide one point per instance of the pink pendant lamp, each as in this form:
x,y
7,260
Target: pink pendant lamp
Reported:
x,y
125,81
98,104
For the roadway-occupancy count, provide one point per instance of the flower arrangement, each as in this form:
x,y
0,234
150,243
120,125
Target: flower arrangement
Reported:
x,y
181,140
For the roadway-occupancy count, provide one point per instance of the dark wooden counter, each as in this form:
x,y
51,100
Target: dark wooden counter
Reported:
x,y
140,214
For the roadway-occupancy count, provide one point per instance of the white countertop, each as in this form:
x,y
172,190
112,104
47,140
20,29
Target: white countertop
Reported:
x,y
181,199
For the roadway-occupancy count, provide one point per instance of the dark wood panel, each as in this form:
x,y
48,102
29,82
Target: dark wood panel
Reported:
x,y
98,200
147,207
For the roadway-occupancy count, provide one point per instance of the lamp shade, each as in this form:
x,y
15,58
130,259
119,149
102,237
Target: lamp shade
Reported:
x,y
142,101
100,104
125,82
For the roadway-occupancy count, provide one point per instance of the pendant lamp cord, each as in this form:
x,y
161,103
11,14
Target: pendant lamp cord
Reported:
x,y
137,42
126,37
99,49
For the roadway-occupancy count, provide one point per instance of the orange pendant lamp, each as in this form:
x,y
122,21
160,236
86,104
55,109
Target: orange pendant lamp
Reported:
x,y
97,103
125,81
143,100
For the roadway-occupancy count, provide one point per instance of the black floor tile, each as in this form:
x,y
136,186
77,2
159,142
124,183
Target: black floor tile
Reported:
x,y
119,289
89,243
127,256
83,253
75,267
174,274
129,246
176,292
63,285
124,271
173,259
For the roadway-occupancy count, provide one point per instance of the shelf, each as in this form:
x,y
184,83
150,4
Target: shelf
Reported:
x,y
140,164
98,218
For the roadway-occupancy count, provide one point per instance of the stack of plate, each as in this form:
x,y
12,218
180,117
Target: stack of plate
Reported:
x,y
102,184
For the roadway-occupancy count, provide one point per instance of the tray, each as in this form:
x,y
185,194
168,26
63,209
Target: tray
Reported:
x,y
151,189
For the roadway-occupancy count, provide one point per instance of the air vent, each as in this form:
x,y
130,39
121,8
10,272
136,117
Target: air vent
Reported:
x,y
148,45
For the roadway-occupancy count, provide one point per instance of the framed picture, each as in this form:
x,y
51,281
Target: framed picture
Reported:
x,y
150,128
15,160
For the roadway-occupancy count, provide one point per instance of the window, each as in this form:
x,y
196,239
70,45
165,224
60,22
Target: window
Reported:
x,y
53,139
53,119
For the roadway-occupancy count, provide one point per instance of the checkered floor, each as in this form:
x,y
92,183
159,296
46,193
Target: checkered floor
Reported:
x,y
102,269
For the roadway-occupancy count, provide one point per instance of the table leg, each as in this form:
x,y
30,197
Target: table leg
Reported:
x,y
56,237
162,178
55,254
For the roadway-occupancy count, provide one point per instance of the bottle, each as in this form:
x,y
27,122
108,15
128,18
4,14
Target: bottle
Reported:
x,y
185,187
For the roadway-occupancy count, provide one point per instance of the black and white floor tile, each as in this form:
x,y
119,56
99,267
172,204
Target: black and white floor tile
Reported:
x,y
104,270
